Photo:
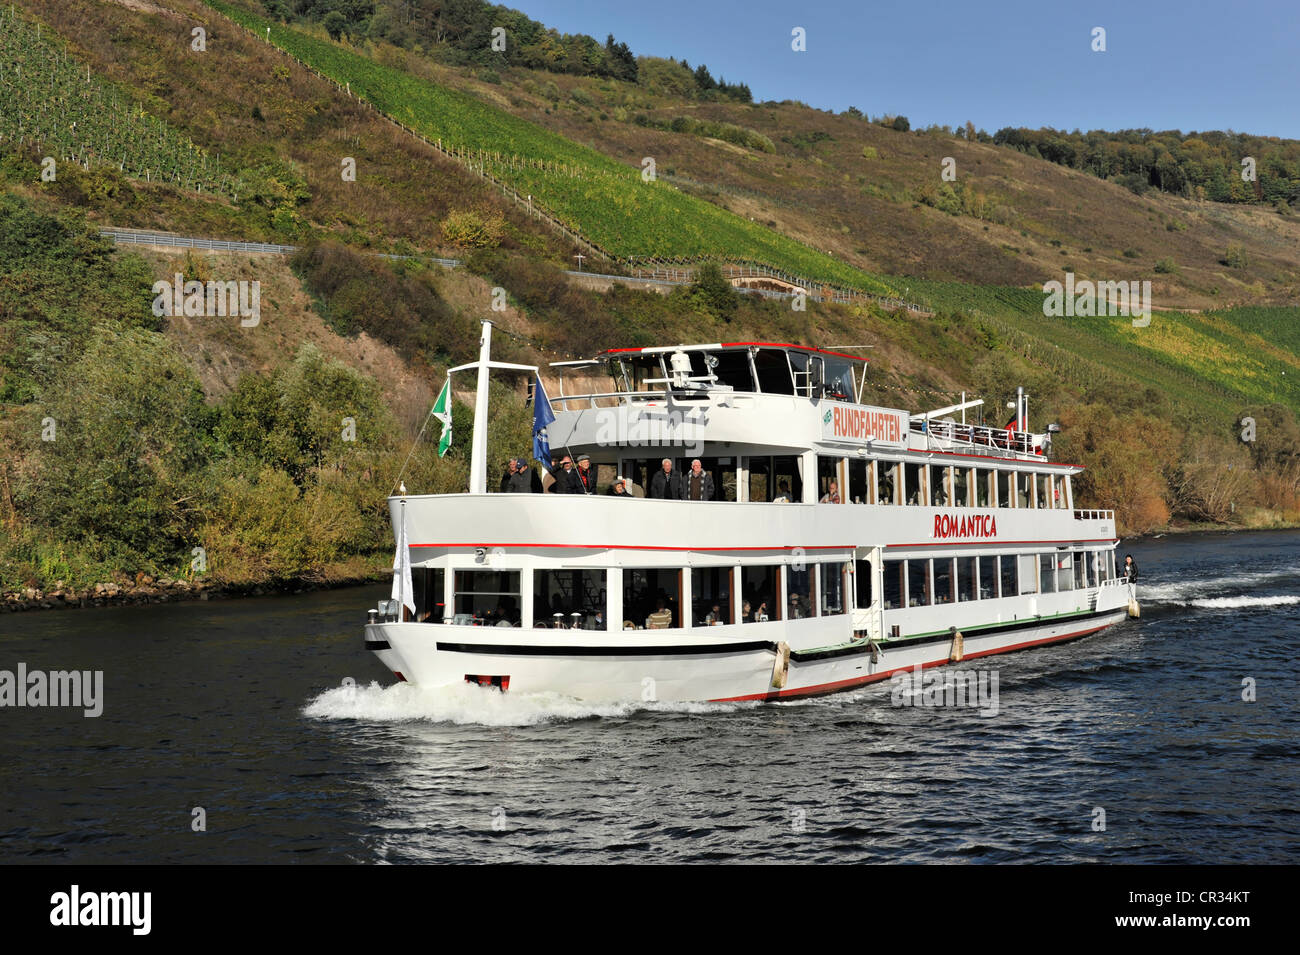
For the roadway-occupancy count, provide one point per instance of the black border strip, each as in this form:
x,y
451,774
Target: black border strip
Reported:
x,y
378,645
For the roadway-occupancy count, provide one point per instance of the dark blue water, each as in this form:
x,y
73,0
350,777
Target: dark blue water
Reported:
x,y
236,707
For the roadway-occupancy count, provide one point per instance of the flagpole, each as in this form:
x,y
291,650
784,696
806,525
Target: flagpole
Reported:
x,y
478,453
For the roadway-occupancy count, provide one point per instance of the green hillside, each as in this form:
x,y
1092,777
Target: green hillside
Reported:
x,y
606,202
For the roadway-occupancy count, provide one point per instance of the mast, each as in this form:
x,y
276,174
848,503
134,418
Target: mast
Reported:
x,y
478,454
478,449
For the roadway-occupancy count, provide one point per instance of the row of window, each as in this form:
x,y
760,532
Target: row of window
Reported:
x,y
860,481
941,580
652,597
944,485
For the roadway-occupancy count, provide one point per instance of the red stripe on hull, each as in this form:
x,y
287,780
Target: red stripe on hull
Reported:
x,y
824,688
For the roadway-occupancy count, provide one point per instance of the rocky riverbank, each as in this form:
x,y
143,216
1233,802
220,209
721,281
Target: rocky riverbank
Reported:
x,y
148,590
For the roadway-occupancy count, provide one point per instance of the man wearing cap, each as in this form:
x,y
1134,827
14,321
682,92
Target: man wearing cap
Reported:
x,y
520,480
584,478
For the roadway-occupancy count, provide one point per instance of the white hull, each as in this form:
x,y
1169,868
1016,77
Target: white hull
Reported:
x,y
730,663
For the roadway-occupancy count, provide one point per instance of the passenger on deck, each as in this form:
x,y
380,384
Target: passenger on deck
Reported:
x,y
1130,568
714,617
783,495
698,484
620,488
796,608
661,619
521,478
566,482
584,476
551,483
832,495
760,615
665,484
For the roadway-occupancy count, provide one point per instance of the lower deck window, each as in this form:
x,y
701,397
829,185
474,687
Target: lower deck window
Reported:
x,y
918,583
989,578
569,598
894,584
759,593
426,586
832,588
711,596
651,598
801,590
1047,576
487,597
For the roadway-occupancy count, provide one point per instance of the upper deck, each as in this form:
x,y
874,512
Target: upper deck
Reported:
x,y
754,397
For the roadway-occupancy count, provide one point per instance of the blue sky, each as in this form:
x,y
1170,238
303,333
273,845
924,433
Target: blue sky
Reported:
x,y
1170,65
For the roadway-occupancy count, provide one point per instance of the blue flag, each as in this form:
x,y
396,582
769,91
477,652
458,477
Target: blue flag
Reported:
x,y
542,417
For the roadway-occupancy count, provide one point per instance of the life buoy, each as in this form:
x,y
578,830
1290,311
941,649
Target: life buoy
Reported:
x,y
781,669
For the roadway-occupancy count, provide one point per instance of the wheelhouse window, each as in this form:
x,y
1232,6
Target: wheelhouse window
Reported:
x,y
711,596
832,588
570,598
837,378
760,593
801,590
918,583
773,370
733,369
487,597
427,592
651,598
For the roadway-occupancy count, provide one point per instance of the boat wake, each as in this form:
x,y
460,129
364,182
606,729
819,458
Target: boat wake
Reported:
x,y
483,706
1190,593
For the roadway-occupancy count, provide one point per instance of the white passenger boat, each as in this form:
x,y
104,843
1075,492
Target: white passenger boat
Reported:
x,y
843,543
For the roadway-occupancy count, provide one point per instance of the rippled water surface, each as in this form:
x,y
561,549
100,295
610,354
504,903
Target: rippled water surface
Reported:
x,y
237,707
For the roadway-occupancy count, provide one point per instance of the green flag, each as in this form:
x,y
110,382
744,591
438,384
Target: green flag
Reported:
x,y
442,411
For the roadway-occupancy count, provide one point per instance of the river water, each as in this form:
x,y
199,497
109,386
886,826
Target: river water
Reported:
x,y
1133,745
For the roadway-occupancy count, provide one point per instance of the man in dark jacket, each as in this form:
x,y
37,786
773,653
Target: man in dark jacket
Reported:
x,y
666,484
521,481
584,478
698,483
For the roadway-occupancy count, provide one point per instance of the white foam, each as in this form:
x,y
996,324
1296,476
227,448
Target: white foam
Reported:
x,y
1179,591
468,704
1227,602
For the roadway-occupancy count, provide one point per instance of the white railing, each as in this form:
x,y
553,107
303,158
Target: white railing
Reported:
x,y
978,436
1094,515
618,396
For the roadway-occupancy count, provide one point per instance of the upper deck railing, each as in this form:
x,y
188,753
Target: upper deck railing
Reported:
x,y
980,437
1094,515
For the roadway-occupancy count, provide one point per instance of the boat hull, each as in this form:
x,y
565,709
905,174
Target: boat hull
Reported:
x,y
641,666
